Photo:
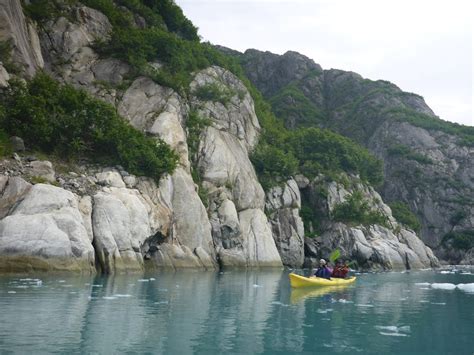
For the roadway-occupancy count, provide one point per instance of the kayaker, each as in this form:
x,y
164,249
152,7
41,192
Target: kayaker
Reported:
x,y
340,270
323,270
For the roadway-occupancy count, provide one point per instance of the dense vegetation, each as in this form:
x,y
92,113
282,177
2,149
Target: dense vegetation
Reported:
x,y
463,240
402,214
59,119
407,153
356,210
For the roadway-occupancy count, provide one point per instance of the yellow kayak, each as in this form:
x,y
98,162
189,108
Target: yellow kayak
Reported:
x,y
297,281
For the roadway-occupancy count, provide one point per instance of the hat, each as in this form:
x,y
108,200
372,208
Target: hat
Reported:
x,y
322,261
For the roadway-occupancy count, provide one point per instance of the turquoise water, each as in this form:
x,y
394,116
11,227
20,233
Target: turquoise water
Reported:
x,y
236,312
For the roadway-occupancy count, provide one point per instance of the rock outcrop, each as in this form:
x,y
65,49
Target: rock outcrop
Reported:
x,y
283,204
22,36
240,228
384,246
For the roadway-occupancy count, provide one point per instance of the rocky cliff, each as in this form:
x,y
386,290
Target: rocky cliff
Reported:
x,y
210,212
428,163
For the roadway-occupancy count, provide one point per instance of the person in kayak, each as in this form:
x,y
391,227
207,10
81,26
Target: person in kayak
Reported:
x,y
340,270
323,271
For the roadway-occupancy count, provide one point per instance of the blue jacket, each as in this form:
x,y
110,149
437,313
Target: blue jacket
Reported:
x,y
323,272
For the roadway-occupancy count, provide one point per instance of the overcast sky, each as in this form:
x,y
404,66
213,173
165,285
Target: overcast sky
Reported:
x,y
423,46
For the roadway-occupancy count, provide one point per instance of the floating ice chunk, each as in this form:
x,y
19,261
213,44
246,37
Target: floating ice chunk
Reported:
x,y
447,272
109,298
439,303
61,281
307,325
424,288
162,302
11,291
342,300
443,286
97,286
394,334
39,283
422,284
364,305
22,286
122,295
424,301
466,287
393,330
24,280
152,279
390,328
143,280
257,286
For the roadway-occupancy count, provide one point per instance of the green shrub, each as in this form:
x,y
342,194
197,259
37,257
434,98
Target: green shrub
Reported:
x,y
323,151
65,121
407,153
5,146
6,57
356,210
214,92
291,104
273,164
402,214
463,240
195,124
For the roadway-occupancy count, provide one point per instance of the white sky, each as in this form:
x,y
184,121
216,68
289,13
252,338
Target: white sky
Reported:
x,y
422,46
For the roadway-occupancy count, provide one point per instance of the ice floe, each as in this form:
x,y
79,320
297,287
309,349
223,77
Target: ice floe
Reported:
x,y
393,330
443,286
422,284
143,280
469,288
364,305
109,298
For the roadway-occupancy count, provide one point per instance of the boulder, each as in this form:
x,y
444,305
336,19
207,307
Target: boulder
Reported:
x,y
45,231
41,169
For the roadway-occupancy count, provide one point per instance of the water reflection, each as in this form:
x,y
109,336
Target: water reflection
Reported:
x,y
234,311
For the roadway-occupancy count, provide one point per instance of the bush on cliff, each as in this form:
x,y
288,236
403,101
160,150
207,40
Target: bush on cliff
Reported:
x,y
356,210
62,120
402,214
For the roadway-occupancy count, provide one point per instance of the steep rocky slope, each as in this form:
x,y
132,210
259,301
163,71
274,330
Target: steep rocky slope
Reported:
x,y
428,163
210,212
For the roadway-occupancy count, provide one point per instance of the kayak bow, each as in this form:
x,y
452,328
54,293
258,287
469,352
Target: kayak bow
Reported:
x,y
298,281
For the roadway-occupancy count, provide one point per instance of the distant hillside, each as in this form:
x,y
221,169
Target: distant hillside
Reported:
x,y
428,162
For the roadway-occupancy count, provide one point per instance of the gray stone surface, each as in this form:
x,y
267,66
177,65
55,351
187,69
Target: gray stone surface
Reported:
x,y
22,35
45,231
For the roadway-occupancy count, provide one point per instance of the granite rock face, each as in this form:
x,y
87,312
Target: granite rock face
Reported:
x,y
22,35
386,246
240,229
282,206
44,230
